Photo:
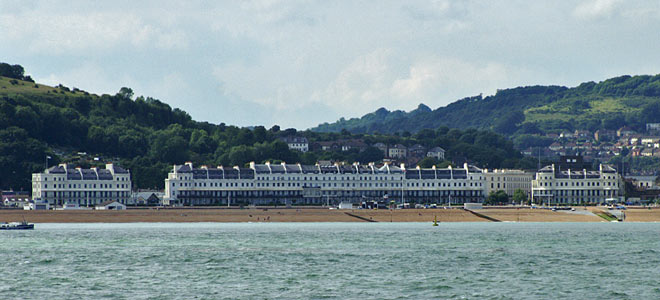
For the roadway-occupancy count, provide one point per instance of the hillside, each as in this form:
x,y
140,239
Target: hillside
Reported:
x,y
610,104
147,136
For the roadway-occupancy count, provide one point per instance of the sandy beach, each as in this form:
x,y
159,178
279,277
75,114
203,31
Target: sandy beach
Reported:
x,y
642,215
315,215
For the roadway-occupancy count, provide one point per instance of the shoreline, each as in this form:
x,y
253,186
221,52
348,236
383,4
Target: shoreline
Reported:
x,y
188,215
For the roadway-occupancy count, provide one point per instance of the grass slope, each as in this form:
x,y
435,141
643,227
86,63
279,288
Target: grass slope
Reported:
x,y
13,87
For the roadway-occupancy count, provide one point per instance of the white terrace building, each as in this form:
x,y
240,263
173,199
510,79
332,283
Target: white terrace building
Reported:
x,y
508,181
554,186
63,184
319,184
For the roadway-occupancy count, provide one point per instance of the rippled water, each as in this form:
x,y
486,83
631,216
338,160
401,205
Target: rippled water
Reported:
x,y
332,260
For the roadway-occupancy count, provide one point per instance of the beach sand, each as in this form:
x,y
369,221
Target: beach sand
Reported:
x,y
642,215
311,215
539,215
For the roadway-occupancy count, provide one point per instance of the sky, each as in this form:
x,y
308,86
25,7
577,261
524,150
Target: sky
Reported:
x,y
301,63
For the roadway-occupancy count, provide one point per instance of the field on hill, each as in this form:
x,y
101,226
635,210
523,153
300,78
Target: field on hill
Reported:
x,y
626,100
13,87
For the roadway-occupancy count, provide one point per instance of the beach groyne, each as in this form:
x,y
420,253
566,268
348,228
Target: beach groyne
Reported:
x,y
359,217
482,215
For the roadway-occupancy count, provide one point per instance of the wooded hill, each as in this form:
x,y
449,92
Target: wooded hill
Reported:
x,y
610,104
147,136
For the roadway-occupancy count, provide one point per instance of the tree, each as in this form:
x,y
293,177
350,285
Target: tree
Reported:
x,y
240,155
15,71
519,196
499,197
260,134
125,93
132,144
370,154
624,151
428,162
508,123
201,143
525,141
20,155
290,132
170,149
530,128
444,164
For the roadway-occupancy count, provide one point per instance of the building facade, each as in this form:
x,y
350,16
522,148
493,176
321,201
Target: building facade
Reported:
x,y
63,184
15,198
283,184
297,143
652,126
553,185
397,151
508,181
436,152
644,182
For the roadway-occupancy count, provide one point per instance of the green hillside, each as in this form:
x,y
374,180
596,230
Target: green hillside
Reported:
x,y
610,104
148,136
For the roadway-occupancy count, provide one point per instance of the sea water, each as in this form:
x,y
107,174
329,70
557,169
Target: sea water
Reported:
x,y
332,261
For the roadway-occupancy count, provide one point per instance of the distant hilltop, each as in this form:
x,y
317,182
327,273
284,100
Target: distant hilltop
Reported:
x,y
629,101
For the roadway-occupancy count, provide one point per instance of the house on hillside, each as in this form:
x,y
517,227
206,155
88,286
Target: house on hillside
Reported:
x,y
652,126
587,146
398,151
436,152
644,182
555,146
647,152
624,131
566,135
607,146
329,146
650,141
353,144
635,139
604,134
382,147
581,134
417,150
299,143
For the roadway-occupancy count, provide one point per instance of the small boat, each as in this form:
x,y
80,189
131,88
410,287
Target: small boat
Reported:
x,y
435,221
16,226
